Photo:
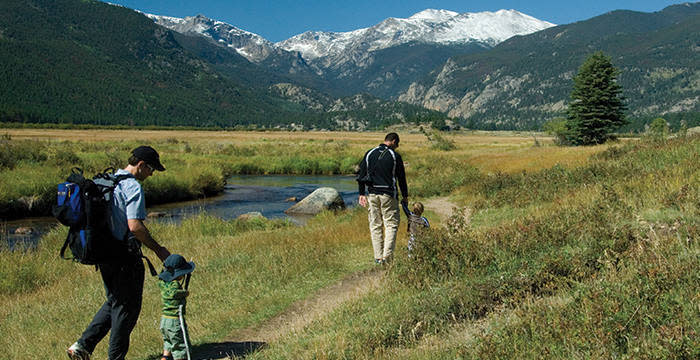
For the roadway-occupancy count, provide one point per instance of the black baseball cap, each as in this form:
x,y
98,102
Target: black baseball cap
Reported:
x,y
149,155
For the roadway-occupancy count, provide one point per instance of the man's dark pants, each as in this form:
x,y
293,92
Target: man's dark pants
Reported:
x,y
124,289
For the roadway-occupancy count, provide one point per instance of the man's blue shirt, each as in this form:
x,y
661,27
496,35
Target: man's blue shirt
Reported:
x,y
128,203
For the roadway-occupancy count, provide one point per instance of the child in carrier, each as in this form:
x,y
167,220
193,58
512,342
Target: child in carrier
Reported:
x,y
173,290
416,223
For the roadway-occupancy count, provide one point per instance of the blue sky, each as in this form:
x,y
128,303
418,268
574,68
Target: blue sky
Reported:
x,y
277,20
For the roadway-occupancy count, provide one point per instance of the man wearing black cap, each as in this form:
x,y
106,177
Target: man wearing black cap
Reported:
x,y
123,281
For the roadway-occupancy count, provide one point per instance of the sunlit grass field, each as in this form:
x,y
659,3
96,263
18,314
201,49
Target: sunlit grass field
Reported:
x,y
569,252
33,161
587,262
246,273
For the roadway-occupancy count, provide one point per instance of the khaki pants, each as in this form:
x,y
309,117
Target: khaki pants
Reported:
x,y
383,212
173,337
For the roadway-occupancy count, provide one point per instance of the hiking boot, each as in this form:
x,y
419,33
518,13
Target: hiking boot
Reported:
x,y
378,261
76,352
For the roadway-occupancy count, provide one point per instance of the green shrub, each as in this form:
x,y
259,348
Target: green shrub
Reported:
x,y
557,127
12,152
658,130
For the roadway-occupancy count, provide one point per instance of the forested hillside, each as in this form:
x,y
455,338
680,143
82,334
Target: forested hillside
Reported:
x,y
87,62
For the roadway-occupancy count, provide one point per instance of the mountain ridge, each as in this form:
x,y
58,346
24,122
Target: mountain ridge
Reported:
x,y
526,80
372,60
87,62
429,26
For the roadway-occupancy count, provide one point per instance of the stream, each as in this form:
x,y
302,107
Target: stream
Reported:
x,y
268,194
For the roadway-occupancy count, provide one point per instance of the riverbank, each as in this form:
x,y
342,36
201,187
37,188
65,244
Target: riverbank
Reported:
x,y
269,195
33,161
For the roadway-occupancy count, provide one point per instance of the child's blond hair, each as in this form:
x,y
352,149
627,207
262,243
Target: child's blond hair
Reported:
x,y
417,208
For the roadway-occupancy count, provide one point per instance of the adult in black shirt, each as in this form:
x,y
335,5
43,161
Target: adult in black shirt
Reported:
x,y
381,176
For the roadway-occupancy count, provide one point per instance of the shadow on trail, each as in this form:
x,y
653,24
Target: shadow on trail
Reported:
x,y
226,350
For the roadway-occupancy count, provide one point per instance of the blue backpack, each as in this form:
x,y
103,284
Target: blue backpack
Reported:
x,y
84,205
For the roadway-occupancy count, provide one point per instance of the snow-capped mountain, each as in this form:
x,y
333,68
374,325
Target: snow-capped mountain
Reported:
x,y
252,46
428,26
381,60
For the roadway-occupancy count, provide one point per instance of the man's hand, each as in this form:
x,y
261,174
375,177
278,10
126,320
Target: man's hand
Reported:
x,y
141,233
362,200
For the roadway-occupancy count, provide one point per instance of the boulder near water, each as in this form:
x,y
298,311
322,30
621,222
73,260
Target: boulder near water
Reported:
x,y
251,215
157,214
325,198
24,231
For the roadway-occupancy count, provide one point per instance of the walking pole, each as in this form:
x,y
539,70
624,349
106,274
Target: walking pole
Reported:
x,y
182,319
184,332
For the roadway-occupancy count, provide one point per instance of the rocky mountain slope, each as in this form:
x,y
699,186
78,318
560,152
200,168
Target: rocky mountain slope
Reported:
x,y
526,80
381,60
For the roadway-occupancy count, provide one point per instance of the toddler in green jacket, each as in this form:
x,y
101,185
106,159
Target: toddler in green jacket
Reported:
x,y
174,293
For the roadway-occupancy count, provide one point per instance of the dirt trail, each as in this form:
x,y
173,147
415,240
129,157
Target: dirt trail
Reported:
x,y
327,299
444,208
441,206
302,313
294,319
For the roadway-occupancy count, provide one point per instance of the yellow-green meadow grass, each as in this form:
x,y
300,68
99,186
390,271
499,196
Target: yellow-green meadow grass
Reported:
x,y
245,273
573,252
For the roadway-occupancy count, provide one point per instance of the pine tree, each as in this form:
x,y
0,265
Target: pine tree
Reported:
x,y
596,108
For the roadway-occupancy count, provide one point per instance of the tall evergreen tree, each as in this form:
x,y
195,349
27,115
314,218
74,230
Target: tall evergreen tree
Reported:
x,y
596,108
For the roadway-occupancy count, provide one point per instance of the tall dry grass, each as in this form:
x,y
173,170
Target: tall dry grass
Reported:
x,y
246,273
544,217
594,261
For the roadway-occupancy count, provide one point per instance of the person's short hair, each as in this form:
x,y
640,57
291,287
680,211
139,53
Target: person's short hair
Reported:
x,y
417,208
391,137
133,160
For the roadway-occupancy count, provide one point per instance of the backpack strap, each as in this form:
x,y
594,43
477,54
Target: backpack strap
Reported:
x,y
120,177
116,179
151,268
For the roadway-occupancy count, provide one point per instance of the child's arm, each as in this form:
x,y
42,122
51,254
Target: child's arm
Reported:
x,y
405,209
172,290
425,222
180,294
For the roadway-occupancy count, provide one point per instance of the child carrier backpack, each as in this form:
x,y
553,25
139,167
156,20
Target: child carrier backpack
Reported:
x,y
84,205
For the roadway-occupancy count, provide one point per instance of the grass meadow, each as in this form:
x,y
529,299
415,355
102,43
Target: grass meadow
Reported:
x,y
581,262
567,253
